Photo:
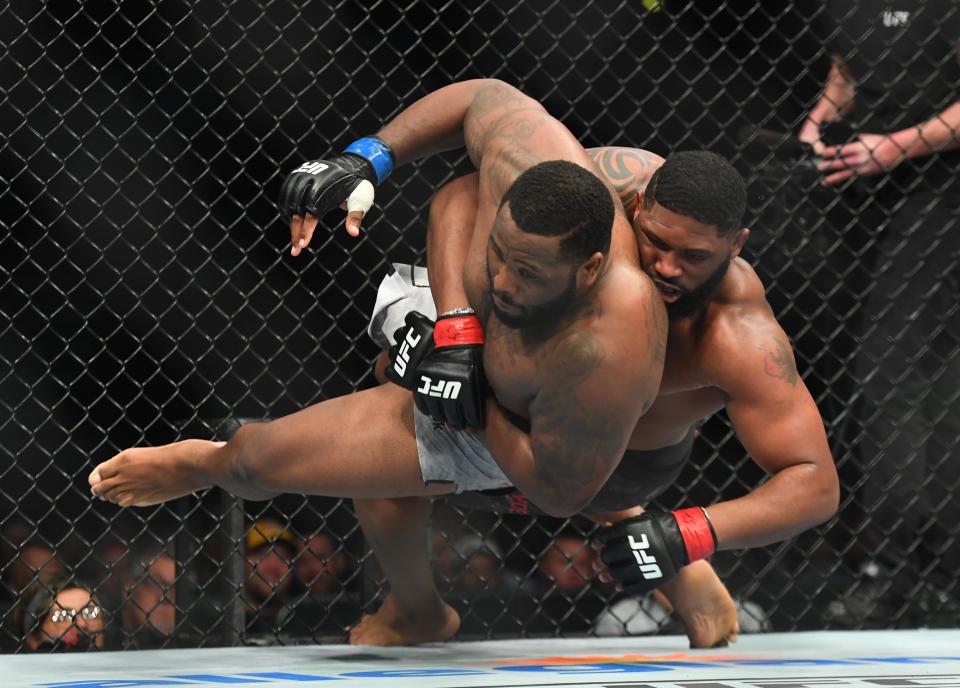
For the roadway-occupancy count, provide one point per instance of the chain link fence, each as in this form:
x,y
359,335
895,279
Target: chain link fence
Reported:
x,y
147,296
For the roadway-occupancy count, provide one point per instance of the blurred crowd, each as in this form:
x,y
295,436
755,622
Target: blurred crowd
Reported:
x,y
297,584
69,596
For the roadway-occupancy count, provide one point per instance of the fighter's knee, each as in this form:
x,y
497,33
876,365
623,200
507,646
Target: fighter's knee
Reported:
x,y
250,465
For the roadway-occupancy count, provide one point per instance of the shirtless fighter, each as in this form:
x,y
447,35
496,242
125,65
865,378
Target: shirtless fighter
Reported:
x,y
575,351
724,350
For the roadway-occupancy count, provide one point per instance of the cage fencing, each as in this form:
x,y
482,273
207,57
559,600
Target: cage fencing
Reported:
x,y
147,296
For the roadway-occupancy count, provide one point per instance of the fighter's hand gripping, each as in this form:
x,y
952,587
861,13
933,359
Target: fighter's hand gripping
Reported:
x,y
644,552
412,342
345,180
452,386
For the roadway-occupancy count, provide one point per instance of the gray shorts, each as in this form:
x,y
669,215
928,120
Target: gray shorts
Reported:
x,y
446,455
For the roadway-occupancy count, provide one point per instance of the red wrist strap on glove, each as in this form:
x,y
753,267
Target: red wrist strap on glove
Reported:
x,y
458,331
697,532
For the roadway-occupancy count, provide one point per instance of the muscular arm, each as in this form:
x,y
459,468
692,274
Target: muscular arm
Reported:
x,y
780,426
580,420
453,213
572,448
503,130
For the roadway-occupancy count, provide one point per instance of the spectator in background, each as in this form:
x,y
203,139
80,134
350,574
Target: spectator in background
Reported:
x,y
148,610
482,566
271,550
567,564
319,606
60,615
106,571
321,566
490,597
569,594
35,562
479,568
446,560
31,563
888,124
12,536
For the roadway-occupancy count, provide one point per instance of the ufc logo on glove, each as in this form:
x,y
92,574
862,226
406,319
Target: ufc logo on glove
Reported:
x,y
444,389
312,167
442,364
646,561
646,551
410,341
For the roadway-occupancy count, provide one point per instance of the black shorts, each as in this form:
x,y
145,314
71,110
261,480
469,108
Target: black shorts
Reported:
x,y
638,479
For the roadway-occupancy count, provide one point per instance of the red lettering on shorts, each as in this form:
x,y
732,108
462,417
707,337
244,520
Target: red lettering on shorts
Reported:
x,y
518,504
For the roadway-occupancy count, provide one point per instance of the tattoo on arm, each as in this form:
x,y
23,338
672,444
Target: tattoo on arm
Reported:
x,y
500,130
578,440
779,364
628,169
490,105
501,170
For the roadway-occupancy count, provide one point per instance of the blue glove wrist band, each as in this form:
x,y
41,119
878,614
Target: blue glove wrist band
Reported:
x,y
377,152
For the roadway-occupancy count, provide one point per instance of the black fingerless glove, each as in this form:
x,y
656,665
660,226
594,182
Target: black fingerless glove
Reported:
x,y
644,552
318,186
452,386
412,342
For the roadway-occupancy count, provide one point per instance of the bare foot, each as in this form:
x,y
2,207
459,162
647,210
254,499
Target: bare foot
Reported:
x,y
387,627
704,606
150,475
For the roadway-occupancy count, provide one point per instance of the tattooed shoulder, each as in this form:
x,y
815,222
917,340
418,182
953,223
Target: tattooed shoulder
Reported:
x,y
778,361
628,169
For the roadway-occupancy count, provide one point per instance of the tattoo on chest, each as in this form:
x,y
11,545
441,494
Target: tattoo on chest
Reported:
x,y
778,363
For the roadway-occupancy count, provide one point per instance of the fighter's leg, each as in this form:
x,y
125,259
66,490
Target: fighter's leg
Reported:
x,y
696,595
413,612
360,445
397,531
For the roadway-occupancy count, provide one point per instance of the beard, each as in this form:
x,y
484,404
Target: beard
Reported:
x,y
692,300
541,317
